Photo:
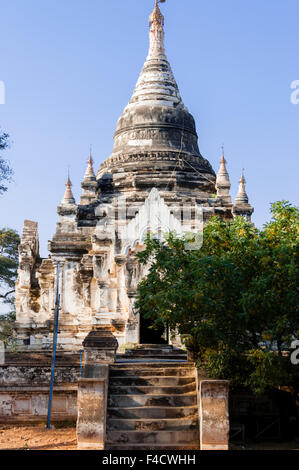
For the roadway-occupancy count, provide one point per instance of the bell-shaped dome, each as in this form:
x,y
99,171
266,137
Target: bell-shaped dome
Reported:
x,y
156,123
156,116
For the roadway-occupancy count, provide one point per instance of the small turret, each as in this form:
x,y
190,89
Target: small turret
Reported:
x,y
89,184
242,206
89,174
242,197
68,198
223,182
67,210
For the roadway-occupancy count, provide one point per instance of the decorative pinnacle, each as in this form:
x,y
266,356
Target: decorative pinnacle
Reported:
x,y
90,160
242,180
242,197
89,174
156,19
223,182
68,197
223,170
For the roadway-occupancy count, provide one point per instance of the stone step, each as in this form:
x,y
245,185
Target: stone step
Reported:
x,y
154,352
152,357
117,401
190,446
151,390
144,370
155,346
153,412
152,405
168,381
154,437
156,365
117,424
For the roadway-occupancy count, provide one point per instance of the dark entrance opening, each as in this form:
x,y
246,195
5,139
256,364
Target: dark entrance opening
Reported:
x,y
150,335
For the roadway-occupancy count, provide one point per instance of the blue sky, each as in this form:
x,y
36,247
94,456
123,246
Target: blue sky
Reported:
x,y
70,67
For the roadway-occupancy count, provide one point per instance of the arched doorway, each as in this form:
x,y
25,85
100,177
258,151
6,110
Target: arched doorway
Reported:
x,y
150,335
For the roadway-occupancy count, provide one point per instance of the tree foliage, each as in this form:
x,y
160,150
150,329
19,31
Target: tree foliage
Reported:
x,y
9,241
235,301
7,330
5,170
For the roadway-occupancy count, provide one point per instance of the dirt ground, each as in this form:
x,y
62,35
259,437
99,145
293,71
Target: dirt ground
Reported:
x,y
37,438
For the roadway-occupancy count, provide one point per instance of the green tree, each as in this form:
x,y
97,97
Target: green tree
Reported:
x,y
9,241
235,301
5,170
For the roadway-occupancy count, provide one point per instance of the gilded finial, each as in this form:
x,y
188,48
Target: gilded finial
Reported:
x,y
222,156
68,181
156,19
90,160
242,180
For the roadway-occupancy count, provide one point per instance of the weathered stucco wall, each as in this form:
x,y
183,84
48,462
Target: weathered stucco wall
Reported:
x,y
22,405
24,393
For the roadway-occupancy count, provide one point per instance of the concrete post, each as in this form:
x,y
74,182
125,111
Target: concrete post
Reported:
x,y
92,409
214,415
100,346
99,351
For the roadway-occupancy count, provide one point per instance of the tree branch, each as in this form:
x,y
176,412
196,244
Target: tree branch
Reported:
x,y
6,295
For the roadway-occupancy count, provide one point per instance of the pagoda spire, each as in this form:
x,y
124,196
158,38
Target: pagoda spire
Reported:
x,y
68,198
89,184
223,182
242,197
155,120
89,174
242,206
156,23
156,85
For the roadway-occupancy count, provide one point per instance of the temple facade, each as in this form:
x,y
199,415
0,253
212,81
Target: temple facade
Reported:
x,y
155,180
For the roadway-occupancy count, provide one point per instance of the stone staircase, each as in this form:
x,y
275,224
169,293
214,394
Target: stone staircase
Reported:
x,y
152,402
153,353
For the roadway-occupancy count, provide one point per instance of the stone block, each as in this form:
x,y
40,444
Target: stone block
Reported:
x,y
91,422
214,416
100,346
